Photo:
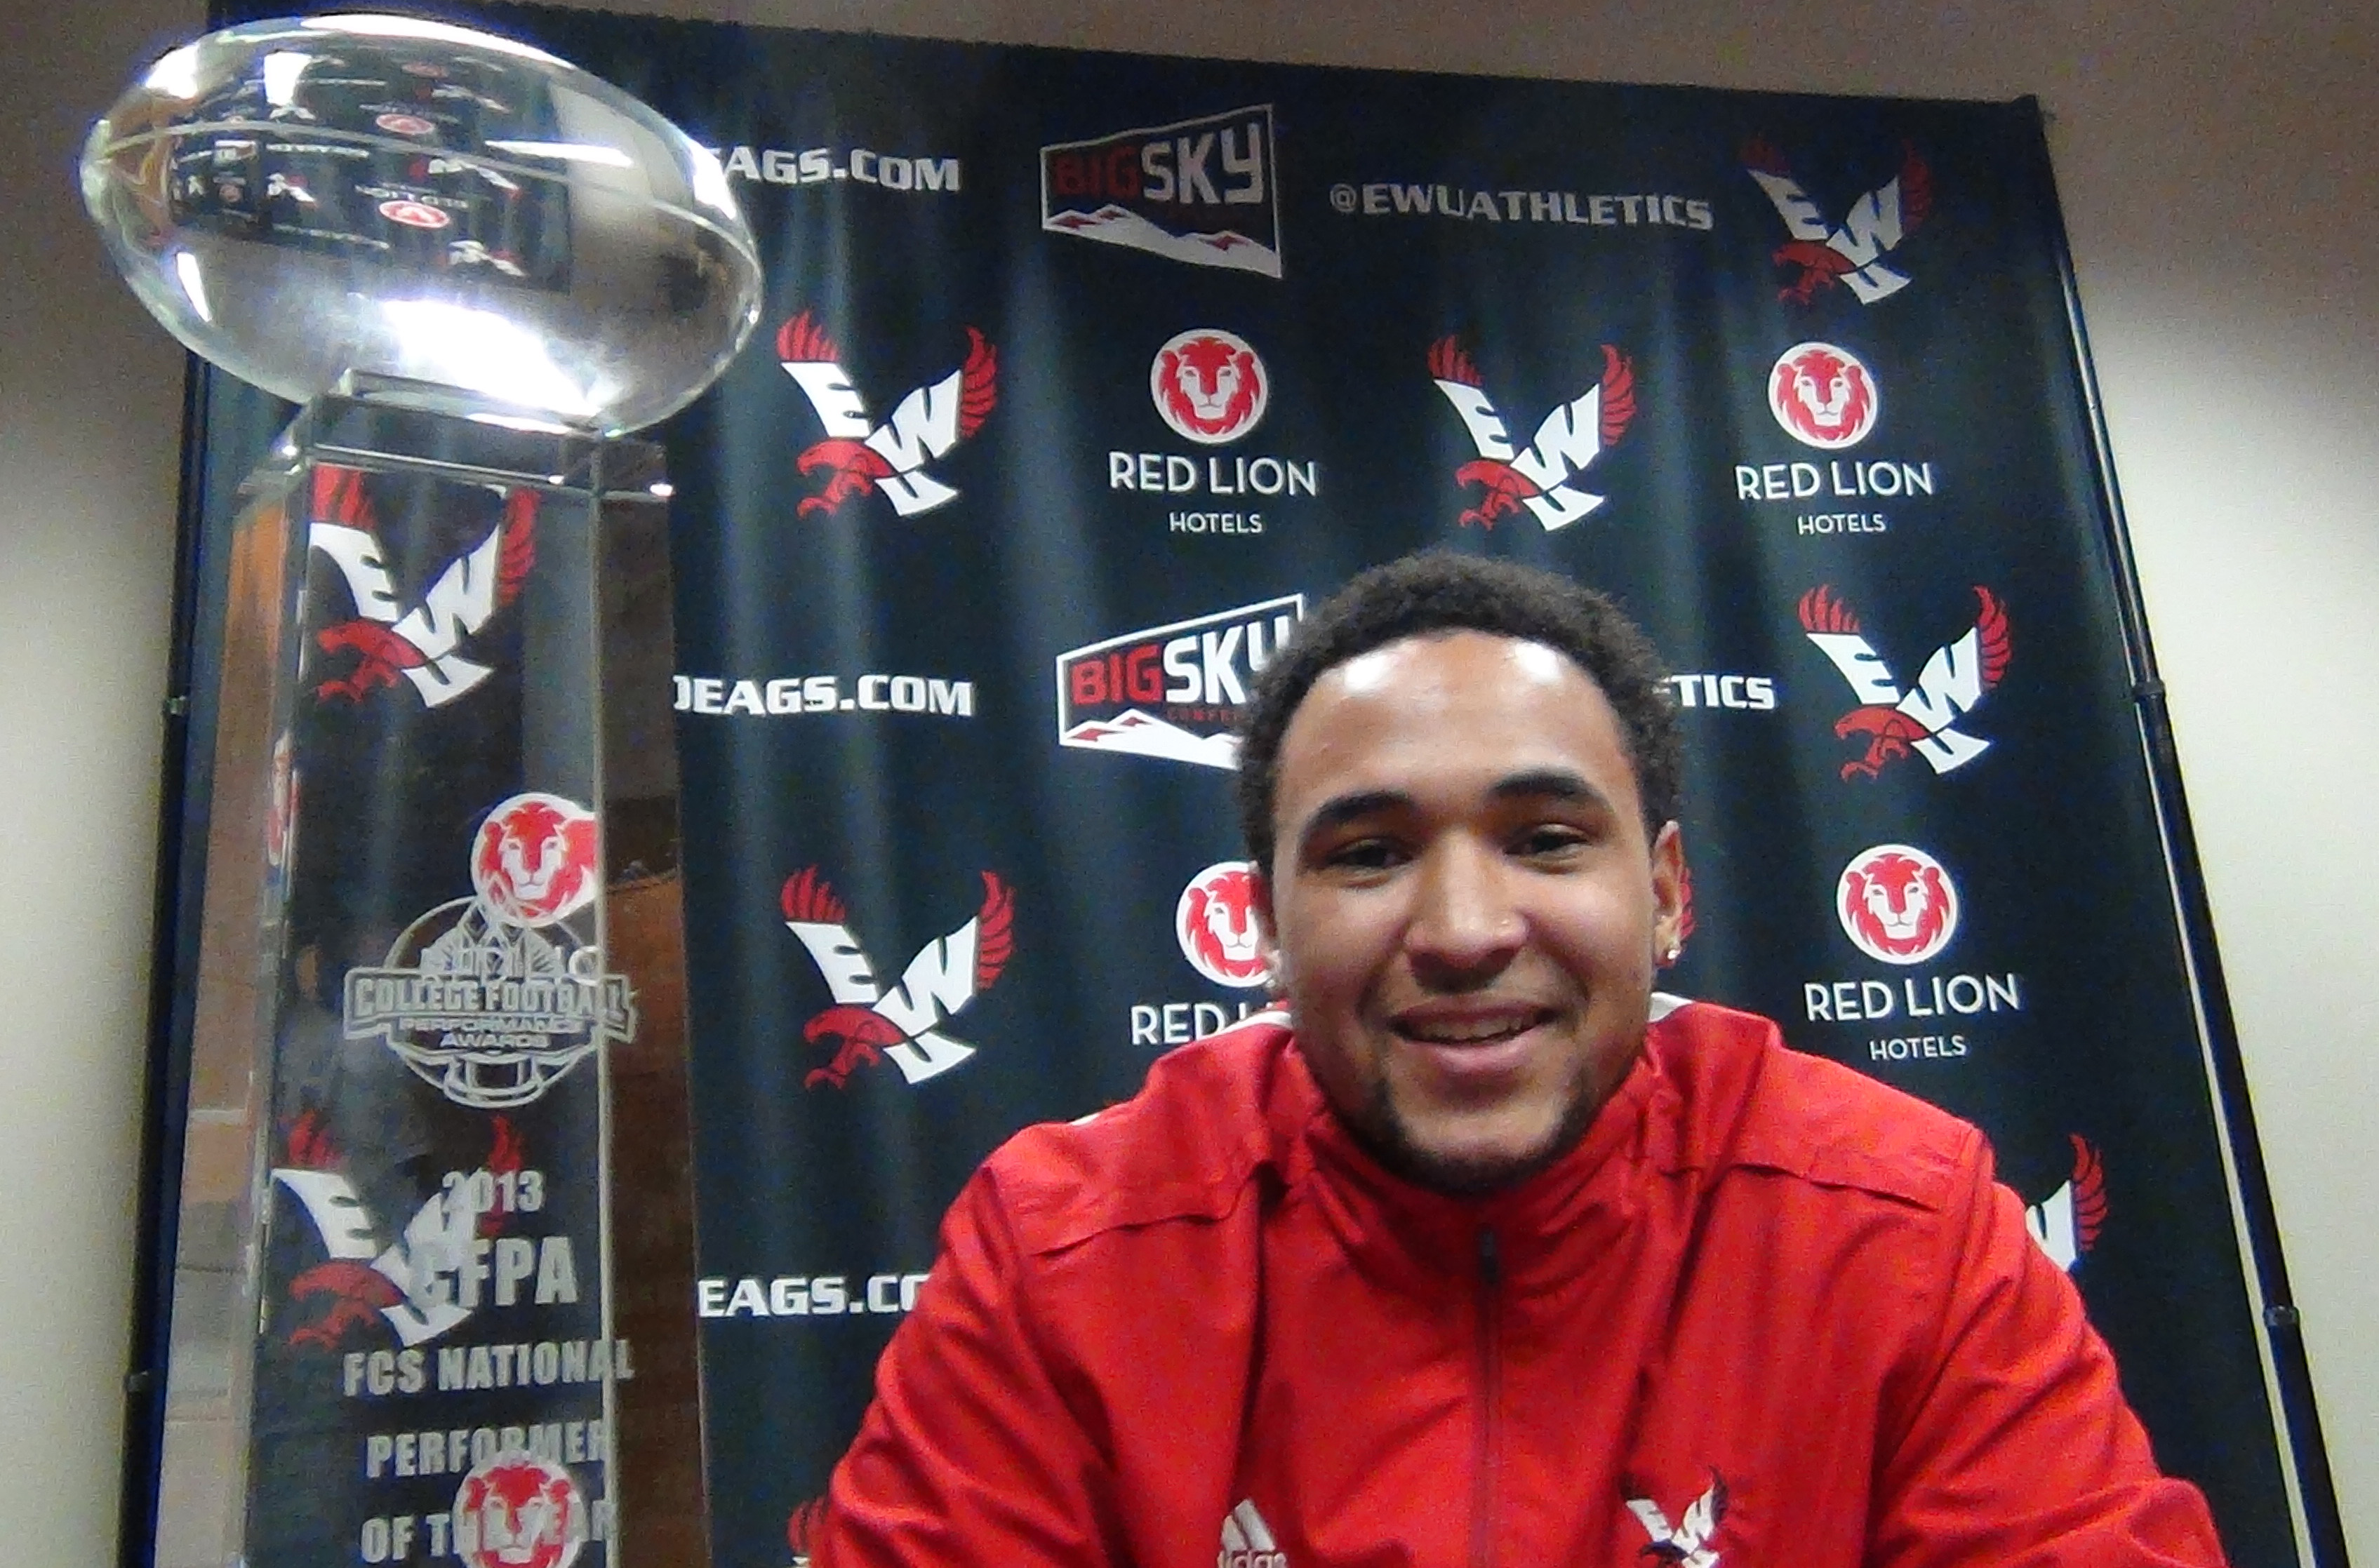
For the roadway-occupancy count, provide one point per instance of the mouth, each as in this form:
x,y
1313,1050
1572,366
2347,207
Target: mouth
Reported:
x,y
1474,1042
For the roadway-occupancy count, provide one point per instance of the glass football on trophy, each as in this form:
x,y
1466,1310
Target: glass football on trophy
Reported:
x,y
303,200
437,1041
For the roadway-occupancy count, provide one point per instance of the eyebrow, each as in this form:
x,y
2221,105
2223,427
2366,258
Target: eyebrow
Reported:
x,y
1534,783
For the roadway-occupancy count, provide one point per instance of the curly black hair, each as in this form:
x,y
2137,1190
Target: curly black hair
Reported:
x,y
1436,591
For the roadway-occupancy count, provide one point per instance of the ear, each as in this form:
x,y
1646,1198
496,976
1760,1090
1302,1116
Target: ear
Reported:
x,y
1668,888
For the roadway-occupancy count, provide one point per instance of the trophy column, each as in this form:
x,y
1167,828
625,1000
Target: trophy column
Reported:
x,y
428,986
439,1006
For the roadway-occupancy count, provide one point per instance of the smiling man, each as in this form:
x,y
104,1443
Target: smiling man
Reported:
x,y
1485,1253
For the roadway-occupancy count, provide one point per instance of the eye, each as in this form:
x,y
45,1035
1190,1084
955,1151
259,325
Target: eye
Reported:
x,y
1550,841
1364,854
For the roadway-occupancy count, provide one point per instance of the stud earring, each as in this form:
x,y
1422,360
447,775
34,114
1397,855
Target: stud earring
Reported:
x,y
1674,953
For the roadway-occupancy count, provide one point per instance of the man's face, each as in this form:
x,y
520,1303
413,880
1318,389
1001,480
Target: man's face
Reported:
x,y
1465,903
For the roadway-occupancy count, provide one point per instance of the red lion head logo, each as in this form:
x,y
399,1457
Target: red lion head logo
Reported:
x,y
1209,385
1215,922
1822,396
1898,904
535,860
517,1511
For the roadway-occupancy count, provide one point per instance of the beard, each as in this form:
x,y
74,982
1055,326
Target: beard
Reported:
x,y
1382,1127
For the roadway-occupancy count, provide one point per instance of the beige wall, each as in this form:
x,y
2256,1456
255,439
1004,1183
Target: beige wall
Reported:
x,y
2221,183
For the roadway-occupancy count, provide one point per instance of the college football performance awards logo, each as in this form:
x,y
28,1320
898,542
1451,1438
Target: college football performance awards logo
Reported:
x,y
493,997
860,457
1821,252
1897,903
2066,1223
1215,923
1209,385
419,641
1173,692
1893,723
1205,191
868,1024
1567,440
518,1511
1822,396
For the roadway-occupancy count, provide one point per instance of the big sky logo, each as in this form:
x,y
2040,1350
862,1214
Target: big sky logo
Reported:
x,y
869,1023
1205,191
1173,692
1892,722
1857,251
419,639
859,456
1567,440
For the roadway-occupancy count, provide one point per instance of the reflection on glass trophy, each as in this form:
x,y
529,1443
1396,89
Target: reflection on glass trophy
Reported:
x,y
429,1195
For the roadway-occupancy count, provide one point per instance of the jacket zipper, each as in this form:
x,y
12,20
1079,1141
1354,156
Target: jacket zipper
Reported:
x,y
1485,1446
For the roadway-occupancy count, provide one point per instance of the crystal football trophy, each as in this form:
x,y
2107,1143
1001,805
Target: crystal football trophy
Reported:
x,y
438,1036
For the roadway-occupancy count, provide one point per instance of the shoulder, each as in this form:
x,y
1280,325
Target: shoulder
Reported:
x,y
1747,1101
1186,1147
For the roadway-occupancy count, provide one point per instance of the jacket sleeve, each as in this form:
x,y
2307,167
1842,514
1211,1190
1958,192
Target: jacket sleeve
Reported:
x,y
2018,1447
971,1454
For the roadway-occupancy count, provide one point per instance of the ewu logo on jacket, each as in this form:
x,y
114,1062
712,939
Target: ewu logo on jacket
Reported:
x,y
419,640
860,457
1922,721
1567,440
1205,191
2066,1223
1173,692
868,1024
1686,1543
1822,252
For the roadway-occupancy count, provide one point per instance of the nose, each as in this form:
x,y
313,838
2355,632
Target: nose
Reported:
x,y
1464,925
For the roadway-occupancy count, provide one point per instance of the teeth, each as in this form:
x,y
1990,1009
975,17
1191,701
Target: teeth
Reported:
x,y
1459,1034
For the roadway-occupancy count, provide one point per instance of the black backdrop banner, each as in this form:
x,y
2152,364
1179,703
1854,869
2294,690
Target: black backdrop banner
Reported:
x,y
1084,376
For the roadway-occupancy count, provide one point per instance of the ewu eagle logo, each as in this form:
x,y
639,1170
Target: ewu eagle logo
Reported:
x,y
1893,723
868,1024
860,457
2066,1223
1567,440
1686,1543
421,641
420,1282
1823,253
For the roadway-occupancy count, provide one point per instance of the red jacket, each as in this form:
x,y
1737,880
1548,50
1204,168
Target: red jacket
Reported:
x,y
1767,1314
